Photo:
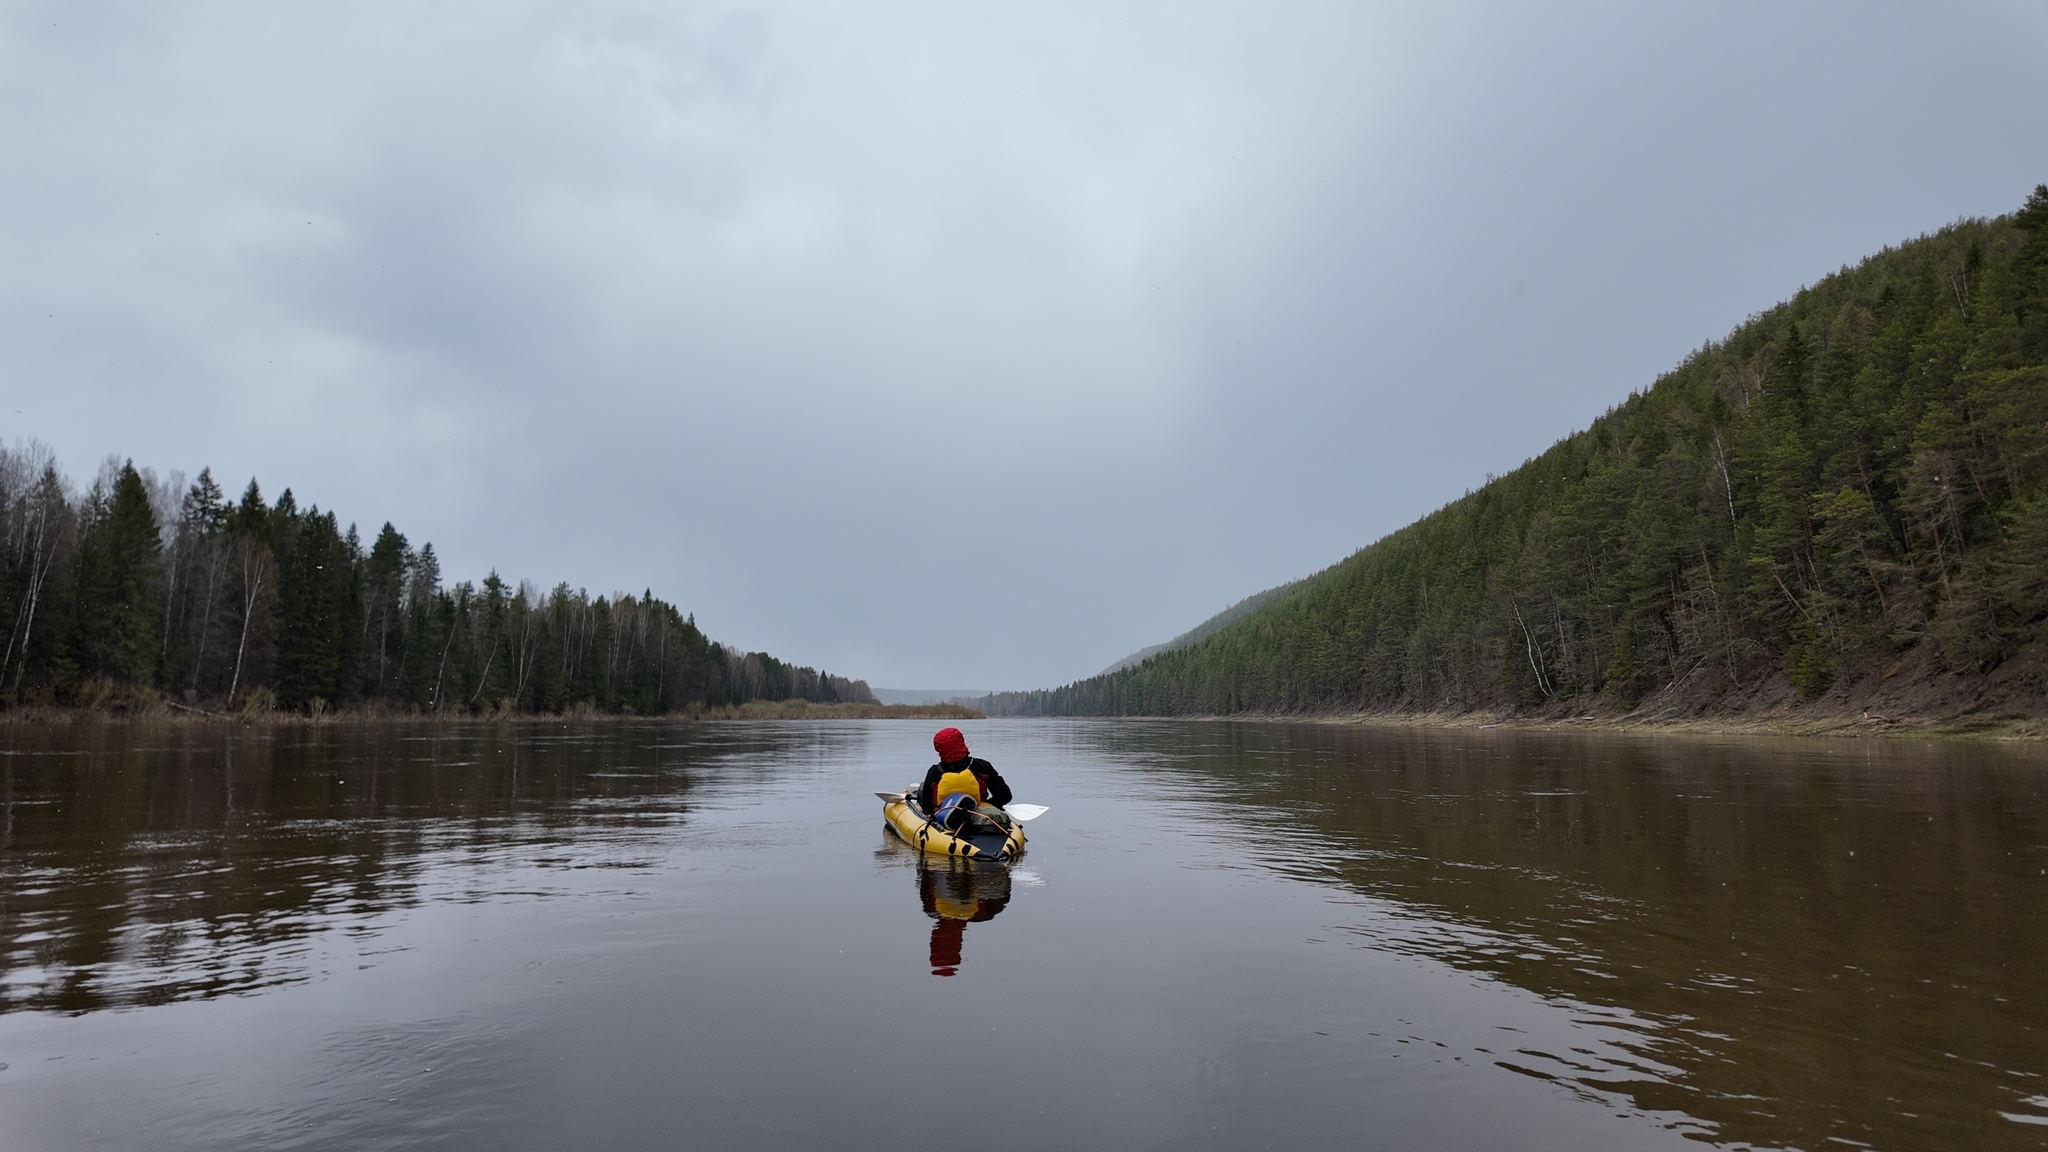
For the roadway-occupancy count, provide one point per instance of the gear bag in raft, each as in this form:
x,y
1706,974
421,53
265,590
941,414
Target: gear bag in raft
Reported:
x,y
954,811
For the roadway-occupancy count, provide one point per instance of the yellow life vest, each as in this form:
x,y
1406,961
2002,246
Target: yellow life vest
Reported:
x,y
962,781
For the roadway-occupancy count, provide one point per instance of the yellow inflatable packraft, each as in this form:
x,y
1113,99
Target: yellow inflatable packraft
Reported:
x,y
979,839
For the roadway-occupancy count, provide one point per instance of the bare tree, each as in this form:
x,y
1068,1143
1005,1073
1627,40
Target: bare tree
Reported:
x,y
37,518
254,560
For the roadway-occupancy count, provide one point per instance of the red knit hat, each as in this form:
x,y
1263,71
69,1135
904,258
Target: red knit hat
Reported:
x,y
951,745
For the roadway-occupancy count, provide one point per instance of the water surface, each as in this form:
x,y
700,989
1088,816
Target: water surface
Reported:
x,y
650,935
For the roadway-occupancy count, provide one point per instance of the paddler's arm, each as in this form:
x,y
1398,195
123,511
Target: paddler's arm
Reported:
x,y
998,792
925,799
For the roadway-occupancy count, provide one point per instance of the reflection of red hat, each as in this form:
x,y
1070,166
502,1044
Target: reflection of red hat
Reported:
x,y
950,744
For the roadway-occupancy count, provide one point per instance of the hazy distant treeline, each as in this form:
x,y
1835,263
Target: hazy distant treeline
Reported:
x,y
144,588
1848,493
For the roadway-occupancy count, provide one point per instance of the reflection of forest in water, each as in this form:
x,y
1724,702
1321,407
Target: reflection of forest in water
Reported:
x,y
143,866
1806,936
1792,940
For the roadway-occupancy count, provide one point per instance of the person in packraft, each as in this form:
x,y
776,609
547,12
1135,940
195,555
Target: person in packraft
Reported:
x,y
960,784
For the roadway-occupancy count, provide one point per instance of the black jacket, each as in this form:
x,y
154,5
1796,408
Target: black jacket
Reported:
x,y
991,782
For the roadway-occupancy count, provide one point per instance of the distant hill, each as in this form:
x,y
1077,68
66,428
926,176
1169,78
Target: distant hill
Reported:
x,y
924,695
1841,507
1206,628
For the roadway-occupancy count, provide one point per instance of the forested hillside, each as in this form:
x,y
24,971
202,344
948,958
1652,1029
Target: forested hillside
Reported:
x,y
138,590
1206,628
1843,505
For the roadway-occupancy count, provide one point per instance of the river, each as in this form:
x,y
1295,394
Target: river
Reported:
x,y
1223,935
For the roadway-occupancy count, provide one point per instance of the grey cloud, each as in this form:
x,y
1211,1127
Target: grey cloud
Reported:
x,y
936,344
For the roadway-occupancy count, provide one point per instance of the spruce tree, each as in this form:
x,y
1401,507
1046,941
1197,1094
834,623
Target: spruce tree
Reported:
x,y
318,613
383,594
116,614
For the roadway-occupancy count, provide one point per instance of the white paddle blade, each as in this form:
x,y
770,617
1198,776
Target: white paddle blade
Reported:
x,y
1026,811
890,795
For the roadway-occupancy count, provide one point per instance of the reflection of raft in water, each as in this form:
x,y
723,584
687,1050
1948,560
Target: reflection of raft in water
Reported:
x,y
956,893
992,836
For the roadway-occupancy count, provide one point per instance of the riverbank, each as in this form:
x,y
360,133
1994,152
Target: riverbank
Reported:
x,y
165,712
1919,695
1999,726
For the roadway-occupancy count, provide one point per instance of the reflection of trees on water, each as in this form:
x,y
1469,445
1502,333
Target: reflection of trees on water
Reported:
x,y
1799,933
957,893
143,866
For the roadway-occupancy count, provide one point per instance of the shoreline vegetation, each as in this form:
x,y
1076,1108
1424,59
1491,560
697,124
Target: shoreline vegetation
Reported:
x,y
2022,729
157,712
2016,728
142,593
1834,519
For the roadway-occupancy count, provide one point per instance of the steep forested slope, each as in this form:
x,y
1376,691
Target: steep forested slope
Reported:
x,y
137,589
1206,628
1843,505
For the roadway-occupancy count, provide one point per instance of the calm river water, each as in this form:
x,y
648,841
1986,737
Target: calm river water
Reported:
x,y
1233,936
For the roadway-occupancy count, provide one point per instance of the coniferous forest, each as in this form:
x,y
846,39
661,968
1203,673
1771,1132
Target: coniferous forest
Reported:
x,y
1843,505
138,590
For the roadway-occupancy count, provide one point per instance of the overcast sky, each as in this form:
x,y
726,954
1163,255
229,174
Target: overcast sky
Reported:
x,y
950,344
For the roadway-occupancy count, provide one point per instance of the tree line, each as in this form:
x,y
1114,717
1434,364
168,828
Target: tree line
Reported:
x,y
140,589
1848,495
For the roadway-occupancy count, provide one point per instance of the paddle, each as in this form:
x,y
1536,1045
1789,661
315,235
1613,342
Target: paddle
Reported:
x,y
1016,811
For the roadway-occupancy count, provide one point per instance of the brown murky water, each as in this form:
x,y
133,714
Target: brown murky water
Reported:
x,y
1223,935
